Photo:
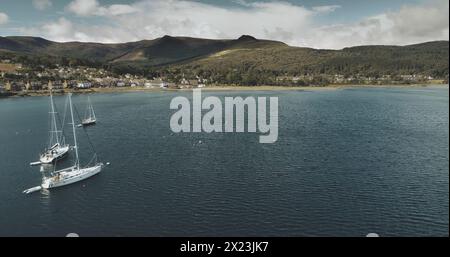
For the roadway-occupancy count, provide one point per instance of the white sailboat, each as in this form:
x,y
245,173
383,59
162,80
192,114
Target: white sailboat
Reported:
x,y
89,118
72,174
57,147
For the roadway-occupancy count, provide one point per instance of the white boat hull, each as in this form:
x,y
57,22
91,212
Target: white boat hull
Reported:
x,y
54,154
88,122
70,176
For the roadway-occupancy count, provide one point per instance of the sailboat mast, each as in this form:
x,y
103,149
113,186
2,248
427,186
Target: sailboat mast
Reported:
x,y
77,161
54,129
93,113
91,109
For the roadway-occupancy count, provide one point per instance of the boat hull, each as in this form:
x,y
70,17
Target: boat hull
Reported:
x,y
70,176
88,122
55,154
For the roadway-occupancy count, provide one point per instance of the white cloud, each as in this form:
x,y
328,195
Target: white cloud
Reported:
x,y
241,2
408,25
42,4
148,19
92,8
83,7
293,24
326,8
3,18
118,9
61,30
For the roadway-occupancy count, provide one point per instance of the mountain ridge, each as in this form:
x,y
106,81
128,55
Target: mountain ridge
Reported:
x,y
224,56
185,46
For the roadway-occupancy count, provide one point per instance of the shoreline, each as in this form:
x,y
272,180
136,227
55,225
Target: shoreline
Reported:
x,y
312,88
209,89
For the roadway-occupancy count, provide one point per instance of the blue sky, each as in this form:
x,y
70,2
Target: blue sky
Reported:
x,y
312,23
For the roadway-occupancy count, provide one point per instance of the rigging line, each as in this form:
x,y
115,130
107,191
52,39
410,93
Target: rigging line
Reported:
x,y
87,112
94,158
64,119
58,120
54,127
63,135
49,125
62,130
85,132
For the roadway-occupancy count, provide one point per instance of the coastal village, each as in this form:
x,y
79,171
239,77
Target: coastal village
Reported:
x,y
15,78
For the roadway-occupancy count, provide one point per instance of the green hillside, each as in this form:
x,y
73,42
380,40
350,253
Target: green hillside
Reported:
x,y
231,61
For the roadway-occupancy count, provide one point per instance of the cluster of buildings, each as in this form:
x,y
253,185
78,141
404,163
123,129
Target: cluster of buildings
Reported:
x,y
342,79
15,78
22,85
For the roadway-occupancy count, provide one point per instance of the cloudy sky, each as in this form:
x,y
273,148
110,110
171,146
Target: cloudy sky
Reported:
x,y
330,24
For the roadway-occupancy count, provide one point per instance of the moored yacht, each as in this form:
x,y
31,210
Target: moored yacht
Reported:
x,y
89,118
74,173
57,148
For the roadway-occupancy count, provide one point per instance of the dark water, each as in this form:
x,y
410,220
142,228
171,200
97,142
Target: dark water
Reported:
x,y
347,162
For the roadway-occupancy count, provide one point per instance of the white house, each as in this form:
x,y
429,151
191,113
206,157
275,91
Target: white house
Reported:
x,y
84,85
120,84
156,83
